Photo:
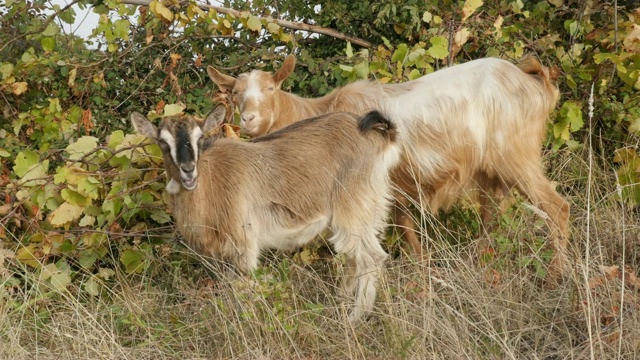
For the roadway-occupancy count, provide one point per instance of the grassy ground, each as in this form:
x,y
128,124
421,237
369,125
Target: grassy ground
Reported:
x,y
468,302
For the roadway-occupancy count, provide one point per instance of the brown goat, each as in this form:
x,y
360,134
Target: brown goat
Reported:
x,y
232,199
475,125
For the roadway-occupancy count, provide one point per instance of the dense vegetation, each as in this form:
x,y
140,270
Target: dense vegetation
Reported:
x,y
84,227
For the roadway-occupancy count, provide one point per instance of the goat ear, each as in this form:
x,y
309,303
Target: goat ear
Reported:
x,y
214,119
224,82
286,69
143,126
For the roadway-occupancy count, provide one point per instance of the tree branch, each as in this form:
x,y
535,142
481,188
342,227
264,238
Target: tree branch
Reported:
x,y
42,27
284,23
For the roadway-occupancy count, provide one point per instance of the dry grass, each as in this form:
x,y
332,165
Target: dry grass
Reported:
x,y
464,305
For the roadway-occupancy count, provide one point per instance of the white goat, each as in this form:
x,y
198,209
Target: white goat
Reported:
x,y
475,125
232,199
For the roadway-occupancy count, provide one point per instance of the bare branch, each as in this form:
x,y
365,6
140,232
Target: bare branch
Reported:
x,y
284,23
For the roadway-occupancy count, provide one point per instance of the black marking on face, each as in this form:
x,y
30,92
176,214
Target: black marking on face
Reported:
x,y
184,148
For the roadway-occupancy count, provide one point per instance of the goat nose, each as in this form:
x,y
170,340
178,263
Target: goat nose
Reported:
x,y
247,118
187,168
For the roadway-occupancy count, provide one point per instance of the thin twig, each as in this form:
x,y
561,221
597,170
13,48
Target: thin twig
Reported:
x,y
284,23
615,37
41,28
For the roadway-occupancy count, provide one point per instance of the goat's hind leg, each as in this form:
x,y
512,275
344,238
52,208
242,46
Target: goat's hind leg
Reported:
x,y
365,258
535,186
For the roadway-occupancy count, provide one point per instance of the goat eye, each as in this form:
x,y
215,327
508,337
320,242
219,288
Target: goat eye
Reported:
x,y
270,88
163,145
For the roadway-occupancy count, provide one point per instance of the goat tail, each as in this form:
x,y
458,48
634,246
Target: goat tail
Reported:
x,y
374,120
531,66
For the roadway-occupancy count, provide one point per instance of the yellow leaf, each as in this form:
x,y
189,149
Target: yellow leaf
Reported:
x,y
72,77
27,255
65,214
498,23
273,28
459,39
469,7
427,16
173,109
87,221
632,41
19,88
161,11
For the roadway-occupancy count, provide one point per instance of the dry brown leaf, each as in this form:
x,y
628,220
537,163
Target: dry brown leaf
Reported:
x,y
4,209
160,107
86,121
493,277
174,60
231,131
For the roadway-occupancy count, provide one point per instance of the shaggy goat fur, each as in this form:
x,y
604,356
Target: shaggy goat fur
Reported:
x,y
475,125
232,198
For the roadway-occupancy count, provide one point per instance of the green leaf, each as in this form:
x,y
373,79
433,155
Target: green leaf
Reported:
x,y
4,153
48,43
92,287
572,112
65,214
132,260
253,23
400,53
89,186
6,70
121,29
52,29
634,125
36,174
74,198
61,175
362,70
68,15
160,216
58,277
115,139
439,47
349,50
81,147
60,280
414,74
87,258
24,160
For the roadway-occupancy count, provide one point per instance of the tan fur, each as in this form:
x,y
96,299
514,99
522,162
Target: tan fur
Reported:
x,y
281,190
475,125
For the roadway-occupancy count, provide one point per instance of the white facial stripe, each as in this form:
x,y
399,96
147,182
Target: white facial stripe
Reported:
x,y
254,89
169,139
196,134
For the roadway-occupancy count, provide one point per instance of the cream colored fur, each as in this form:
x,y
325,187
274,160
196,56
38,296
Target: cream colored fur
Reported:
x,y
475,125
280,191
